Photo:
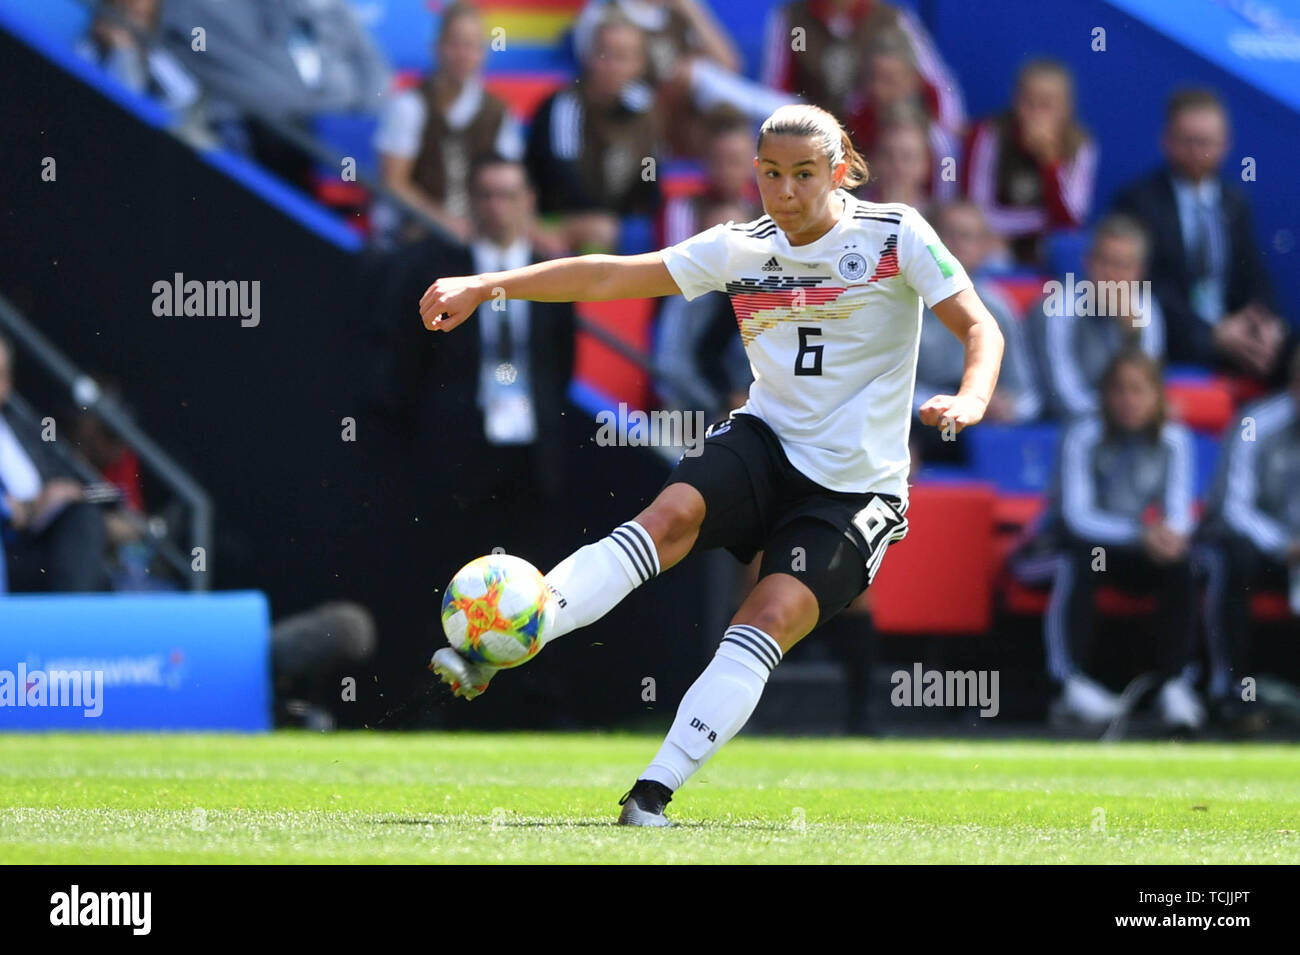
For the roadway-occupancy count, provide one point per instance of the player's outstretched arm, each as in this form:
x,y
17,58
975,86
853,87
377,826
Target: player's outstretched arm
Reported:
x,y
581,278
970,320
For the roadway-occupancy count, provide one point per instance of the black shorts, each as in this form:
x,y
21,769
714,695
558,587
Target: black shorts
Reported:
x,y
756,500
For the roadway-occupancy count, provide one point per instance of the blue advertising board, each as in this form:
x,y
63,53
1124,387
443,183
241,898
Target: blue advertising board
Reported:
x,y
135,662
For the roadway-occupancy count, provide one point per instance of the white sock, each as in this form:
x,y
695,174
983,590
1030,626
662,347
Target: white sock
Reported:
x,y
591,581
717,705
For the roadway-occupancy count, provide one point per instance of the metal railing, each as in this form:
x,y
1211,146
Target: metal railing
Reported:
x,y
85,393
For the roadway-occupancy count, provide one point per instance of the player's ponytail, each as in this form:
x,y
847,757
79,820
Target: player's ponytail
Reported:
x,y
857,171
832,139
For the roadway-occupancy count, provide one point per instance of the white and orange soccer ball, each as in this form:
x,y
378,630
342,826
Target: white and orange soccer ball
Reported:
x,y
497,611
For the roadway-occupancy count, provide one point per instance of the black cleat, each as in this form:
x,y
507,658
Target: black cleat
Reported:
x,y
643,804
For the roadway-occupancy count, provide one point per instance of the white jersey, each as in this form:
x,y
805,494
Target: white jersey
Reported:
x,y
831,329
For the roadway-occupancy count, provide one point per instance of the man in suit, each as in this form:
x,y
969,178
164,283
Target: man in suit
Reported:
x,y
1206,270
490,405
53,540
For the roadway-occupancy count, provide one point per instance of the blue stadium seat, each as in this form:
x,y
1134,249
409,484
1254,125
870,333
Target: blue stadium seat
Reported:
x,y
1187,374
942,474
636,235
1014,458
1020,459
352,134
61,21
1207,457
1065,249
403,30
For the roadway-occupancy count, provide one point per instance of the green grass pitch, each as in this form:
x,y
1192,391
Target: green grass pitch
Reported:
x,y
462,797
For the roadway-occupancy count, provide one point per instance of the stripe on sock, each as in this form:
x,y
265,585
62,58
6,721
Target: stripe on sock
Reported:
x,y
756,642
644,542
628,539
633,555
763,637
766,667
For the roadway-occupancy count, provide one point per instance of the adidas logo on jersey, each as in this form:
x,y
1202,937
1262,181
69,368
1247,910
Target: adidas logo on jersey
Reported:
x,y
771,265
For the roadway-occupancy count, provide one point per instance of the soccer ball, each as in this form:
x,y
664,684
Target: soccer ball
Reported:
x,y
497,611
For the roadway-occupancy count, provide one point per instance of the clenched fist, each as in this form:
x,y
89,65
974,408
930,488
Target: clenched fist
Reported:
x,y
448,302
962,410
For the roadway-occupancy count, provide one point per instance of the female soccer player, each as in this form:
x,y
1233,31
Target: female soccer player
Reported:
x,y
812,469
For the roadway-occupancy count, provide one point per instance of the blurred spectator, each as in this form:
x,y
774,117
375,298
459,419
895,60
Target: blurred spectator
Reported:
x,y
691,62
1207,271
674,30
504,383
121,41
523,370
112,457
289,58
592,143
1076,331
969,231
941,357
1122,503
271,62
903,163
814,48
1032,168
730,192
700,357
890,80
428,135
1252,534
55,540
131,552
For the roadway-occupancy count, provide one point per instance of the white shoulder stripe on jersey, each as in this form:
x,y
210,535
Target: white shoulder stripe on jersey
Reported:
x,y
754,226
